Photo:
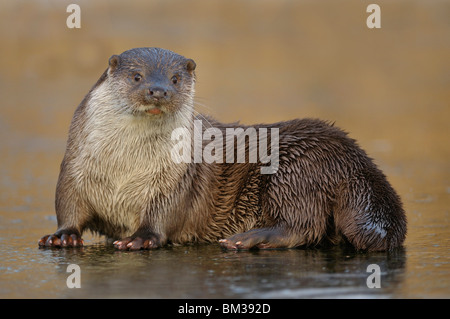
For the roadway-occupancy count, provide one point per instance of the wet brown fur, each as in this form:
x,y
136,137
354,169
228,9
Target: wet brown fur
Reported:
x,y
326,189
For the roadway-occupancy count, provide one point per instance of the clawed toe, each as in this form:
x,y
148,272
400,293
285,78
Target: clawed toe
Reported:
x,y
136,243
62,241
232,245
262,238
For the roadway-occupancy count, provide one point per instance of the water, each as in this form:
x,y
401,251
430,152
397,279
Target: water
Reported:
x,y
204,271
388,88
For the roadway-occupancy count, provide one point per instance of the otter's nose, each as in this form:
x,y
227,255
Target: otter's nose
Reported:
x,y
157,92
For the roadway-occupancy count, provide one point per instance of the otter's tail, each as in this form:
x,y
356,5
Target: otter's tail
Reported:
x,y
369,213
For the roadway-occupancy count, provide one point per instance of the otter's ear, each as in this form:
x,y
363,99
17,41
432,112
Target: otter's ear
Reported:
x,y
113,62
190,65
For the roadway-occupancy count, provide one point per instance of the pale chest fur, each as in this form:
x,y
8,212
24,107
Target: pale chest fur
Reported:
x,y
123,164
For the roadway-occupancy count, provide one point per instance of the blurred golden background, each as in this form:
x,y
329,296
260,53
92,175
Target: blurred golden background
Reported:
x,y
257,61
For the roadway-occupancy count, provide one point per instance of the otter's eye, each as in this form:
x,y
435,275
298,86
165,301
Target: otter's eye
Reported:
x,y
174,79
137,77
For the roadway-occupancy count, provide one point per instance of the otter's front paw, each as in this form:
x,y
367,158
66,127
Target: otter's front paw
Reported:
x,y
61,239
136,243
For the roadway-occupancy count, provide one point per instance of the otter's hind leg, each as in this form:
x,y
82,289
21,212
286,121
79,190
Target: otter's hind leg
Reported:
x,y
294,212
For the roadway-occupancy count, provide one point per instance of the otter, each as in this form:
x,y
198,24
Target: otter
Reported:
x,y
118,177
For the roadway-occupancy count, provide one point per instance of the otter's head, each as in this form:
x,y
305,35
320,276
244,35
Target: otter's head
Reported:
x,y
152,81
